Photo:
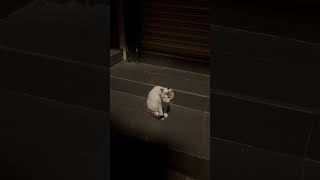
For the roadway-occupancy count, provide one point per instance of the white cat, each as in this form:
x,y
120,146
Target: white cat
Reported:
x,y
157,96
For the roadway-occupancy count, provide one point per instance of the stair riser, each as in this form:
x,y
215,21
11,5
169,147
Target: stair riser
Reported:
x,y
142,90
167,159
115,58
176,62
54,79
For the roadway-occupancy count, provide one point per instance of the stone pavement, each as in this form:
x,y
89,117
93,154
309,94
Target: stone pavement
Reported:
x,y
186,130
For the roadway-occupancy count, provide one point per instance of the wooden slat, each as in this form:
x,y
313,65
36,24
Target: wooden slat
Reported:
x,y
176,27
163,22
203,44
182,52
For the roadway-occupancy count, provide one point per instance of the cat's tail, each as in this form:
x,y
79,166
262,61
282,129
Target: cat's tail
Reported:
x,y
156,114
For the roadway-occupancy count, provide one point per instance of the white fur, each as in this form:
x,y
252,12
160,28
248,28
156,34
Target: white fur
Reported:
x,y
155,98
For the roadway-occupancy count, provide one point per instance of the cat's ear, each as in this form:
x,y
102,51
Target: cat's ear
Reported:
x,y
171,93
161,90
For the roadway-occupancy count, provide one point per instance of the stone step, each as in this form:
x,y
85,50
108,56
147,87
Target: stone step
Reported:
x,y
57,51
185,130
61,30
135,156
115,56
55,78
53,139
191,89
176,62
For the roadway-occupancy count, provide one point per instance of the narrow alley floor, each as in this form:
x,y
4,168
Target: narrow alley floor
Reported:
x,y
186,130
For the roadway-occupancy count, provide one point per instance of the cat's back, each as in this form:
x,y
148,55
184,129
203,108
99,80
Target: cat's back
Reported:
x,y
155,91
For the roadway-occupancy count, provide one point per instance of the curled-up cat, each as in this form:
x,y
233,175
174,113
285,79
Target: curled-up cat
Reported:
x,y
157,97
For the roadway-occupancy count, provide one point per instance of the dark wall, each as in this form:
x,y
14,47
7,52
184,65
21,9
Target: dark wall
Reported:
x,y
296,19
114,25
11,6
133,19
264,73
54,92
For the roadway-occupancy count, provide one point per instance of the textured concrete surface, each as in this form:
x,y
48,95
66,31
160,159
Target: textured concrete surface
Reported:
x,y
184,130
187,127
185,134
115,56
54,92
53,28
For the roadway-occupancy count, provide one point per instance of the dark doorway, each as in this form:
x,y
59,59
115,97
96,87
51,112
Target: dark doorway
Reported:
x,y
114,25
176,28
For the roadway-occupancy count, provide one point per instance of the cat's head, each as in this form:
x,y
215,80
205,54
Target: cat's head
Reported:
x,y
167,94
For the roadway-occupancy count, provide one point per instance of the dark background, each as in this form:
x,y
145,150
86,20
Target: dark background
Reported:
x,y
54,90
264,60
54,94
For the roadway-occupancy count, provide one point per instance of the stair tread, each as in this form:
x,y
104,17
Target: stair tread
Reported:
x,y
114,52
24,112
53,28
115,56
194,83
137,122
191,89
60,79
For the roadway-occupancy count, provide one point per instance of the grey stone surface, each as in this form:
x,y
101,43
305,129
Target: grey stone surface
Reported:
x,y
191,101
50,140
182,130
233,160
187,129
61,80
129,87
68,30
191,88
136,88
258,45
173,78
195,167
137,67
176,63
115,56
261,125
134,75
202,88
186,75
121,119
125,100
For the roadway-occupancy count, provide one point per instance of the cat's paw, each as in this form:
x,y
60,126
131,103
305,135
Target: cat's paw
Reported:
x,y
165,115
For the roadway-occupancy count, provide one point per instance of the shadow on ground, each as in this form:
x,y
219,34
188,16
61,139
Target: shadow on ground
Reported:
x,y
137,159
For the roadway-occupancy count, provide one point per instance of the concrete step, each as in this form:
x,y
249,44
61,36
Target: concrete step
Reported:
x,y
185,129
115,56
176,62
192,89
135,156
66,30
185,133
53,139
60,79
56,51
